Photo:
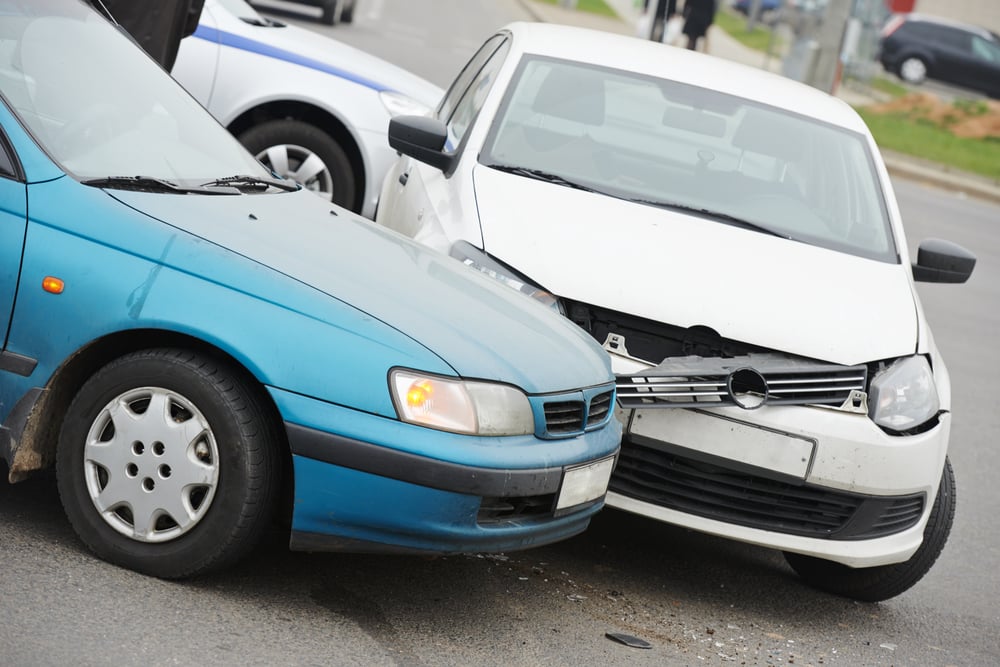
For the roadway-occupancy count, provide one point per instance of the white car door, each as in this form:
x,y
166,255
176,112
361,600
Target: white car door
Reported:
x,y
423,202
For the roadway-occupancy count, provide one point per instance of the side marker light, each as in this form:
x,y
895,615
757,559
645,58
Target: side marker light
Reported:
x,y
53,285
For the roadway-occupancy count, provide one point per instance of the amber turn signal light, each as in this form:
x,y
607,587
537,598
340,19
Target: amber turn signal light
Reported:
x,y
53,285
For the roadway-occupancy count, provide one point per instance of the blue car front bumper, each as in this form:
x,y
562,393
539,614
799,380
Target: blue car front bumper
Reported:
x,y
365,483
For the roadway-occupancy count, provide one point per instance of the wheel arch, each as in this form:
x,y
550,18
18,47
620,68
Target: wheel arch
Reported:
x,y
34,441
316,116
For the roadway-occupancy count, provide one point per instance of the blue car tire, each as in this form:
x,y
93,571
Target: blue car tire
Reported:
x,y
168,464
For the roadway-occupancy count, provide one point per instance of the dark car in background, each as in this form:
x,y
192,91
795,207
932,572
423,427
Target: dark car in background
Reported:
x,y
334,11
917,47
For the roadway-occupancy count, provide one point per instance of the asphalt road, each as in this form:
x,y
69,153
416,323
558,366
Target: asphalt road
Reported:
x,y
697,599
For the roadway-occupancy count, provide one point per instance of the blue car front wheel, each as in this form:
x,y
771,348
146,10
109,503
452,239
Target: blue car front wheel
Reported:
x,y
167,463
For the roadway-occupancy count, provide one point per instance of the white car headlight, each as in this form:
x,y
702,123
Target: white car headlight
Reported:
x,y
904,396
398,104
460,406
475,258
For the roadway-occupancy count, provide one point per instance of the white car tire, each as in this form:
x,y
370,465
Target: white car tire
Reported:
x,y
875,584
285,146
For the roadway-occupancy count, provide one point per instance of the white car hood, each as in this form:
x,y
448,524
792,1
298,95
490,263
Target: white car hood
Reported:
x,y
310,49
683,270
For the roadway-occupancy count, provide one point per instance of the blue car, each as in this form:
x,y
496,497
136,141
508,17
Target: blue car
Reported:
x,y
201,349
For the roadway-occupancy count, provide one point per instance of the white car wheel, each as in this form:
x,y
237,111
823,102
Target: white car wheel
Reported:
x,y
305,154
875,584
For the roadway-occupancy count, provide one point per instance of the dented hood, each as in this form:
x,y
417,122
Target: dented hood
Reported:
x,y
685,270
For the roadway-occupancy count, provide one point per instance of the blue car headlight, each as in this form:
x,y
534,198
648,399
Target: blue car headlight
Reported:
x,y
903,395
460,406
475,258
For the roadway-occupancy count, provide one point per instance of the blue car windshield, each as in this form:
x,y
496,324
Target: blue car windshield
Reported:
x,y
100,107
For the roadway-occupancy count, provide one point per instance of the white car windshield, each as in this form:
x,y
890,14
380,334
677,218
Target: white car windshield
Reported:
x,y
662,143
100,107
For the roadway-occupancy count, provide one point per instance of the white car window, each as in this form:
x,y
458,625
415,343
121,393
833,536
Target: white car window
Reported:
x,y
474,96
664,143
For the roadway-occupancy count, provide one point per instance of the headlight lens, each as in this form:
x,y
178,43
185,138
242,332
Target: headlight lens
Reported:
x,y
904,396
398,104
475,258
460,406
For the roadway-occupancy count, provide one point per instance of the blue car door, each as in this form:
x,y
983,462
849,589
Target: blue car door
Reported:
x,y
13,220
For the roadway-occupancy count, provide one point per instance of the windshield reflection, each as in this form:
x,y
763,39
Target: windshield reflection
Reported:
x,y
101,108
649,140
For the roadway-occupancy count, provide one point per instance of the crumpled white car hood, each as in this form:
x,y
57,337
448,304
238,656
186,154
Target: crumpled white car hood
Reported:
x,y
684,270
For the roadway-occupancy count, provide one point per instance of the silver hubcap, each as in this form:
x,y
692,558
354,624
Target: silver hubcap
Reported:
x,y
913,70
300,165
151,464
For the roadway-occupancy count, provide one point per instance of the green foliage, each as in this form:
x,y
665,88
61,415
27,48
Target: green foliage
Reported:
x,y
594,6
924,139
888,86
971,107
736,25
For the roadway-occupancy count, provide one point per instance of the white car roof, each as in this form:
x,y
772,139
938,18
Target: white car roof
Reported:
x,y
682,65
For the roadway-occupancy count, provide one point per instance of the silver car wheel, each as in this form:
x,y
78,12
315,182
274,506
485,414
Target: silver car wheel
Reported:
x,y
151,464
300,165
913,70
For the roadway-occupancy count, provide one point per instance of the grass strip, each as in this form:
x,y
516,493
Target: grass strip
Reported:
x,y
923,139
594,6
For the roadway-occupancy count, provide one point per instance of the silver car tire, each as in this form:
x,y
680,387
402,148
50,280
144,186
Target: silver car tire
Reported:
x,y
167,463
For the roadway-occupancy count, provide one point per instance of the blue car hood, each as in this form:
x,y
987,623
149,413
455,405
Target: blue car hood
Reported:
x,y
478,327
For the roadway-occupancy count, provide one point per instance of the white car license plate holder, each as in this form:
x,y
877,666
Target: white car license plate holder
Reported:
x,y
727,438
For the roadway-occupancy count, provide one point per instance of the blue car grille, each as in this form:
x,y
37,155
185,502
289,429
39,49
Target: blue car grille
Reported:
x,y
571,414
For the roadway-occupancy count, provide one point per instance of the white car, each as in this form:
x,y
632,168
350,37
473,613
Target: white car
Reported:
x,y
732,239
310,108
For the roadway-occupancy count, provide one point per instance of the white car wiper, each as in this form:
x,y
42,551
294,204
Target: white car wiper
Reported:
x,y
717,215
541,175
151,184
243,181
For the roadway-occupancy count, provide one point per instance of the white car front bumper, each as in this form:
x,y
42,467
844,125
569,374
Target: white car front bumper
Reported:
x,y
810,480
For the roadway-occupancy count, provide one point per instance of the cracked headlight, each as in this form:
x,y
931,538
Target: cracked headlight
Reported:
x,y
398,104
903,395
460,406
475,258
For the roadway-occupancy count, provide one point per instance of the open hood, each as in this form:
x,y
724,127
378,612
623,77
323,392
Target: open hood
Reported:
x,y
684,270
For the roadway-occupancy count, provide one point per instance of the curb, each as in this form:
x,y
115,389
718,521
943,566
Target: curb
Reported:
x,y
940,177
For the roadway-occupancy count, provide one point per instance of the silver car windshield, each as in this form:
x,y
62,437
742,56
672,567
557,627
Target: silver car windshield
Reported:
x,y
694,150
100,107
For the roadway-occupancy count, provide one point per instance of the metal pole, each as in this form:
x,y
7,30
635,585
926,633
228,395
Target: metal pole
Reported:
x,y
830,40
753,15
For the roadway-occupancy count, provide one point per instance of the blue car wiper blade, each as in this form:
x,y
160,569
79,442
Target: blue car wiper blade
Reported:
x,y
244,181
150,184
541,175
